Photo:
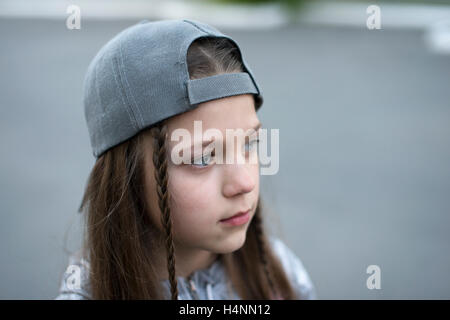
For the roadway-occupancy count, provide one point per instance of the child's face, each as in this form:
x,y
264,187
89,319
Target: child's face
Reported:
x,y
203,194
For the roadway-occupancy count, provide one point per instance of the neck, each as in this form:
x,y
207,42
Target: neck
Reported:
x,y
190,260
187,260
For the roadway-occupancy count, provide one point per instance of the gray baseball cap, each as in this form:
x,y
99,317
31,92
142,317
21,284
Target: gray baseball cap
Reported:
x,y
140,77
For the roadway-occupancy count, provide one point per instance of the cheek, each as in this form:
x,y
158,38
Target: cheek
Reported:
x,y
192,192
194,200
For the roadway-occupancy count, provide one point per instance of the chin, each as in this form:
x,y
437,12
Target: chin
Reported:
x,y
231,244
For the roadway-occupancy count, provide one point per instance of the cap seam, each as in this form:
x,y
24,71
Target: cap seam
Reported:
x,y
199,28
125,78
183,57
123,93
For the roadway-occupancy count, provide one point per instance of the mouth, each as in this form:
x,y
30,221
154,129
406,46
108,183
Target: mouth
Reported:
x,y
237,219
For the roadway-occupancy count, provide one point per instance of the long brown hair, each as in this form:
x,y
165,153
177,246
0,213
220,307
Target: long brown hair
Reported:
x,y
120,235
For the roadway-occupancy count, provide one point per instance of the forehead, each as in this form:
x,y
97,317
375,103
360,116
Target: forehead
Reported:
x,y
227,113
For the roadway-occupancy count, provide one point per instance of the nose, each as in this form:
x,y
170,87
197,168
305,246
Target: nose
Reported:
x,y
238,179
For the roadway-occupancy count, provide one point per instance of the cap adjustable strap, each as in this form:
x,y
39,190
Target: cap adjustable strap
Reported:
x,y
219,86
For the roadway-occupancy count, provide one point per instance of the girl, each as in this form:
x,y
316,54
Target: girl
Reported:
x,y
158,229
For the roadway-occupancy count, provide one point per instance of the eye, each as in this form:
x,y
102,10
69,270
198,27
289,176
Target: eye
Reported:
x,y
252,144
203,161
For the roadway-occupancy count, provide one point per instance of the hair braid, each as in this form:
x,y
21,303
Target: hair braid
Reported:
x,y
262,250
161,176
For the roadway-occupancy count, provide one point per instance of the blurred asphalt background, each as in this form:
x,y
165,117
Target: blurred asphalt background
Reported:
x,y
364,119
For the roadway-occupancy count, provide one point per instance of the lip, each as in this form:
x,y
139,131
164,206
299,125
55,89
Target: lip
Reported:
x,y
238,219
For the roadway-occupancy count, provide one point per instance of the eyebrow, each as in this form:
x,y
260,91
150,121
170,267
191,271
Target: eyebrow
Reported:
x,y
207,142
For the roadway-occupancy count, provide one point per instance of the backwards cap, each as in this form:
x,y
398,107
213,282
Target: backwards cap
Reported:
x,y
141,77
